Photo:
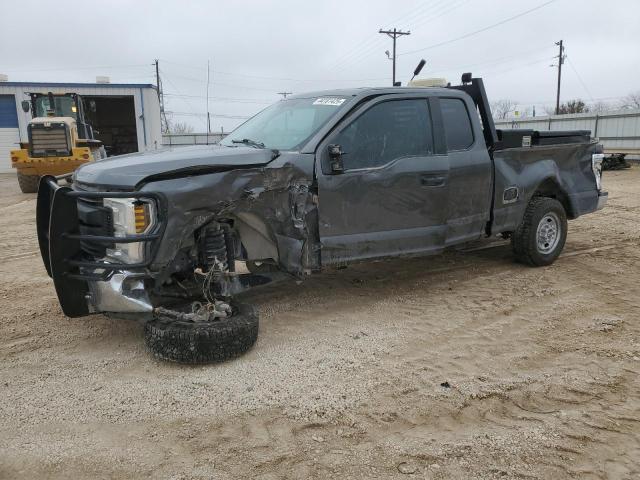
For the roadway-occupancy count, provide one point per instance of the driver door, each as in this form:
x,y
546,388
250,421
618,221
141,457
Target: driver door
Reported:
x,y
392,197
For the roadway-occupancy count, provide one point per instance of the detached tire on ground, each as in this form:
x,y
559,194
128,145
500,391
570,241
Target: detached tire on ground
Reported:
x,y
28,183
540,238
203,342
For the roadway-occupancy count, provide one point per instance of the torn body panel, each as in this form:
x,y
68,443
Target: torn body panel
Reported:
x,y
271,206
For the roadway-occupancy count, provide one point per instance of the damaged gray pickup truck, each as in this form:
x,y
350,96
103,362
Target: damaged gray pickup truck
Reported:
x,y
313,182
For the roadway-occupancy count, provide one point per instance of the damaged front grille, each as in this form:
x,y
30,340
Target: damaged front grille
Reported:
x,y
75,230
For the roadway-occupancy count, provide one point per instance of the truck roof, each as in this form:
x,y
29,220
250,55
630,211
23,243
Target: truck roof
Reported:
x,y
366,91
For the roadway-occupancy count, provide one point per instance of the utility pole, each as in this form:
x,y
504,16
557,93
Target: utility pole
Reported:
x,y
208,115
394,34
163,116
284,94
560,62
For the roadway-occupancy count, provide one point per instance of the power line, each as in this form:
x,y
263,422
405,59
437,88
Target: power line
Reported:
x,y
364,49
185,101
518,67
430,16
67,68
221,99
261,77
433,14
203,115
580,78
494,61
489,27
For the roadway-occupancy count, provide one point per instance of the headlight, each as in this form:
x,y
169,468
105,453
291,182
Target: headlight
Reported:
x,y
130,217
596,165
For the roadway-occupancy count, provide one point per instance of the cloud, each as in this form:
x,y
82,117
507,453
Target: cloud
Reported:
x,y
258,48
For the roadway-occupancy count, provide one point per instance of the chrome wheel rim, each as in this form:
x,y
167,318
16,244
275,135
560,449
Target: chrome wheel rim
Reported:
x,y
548,233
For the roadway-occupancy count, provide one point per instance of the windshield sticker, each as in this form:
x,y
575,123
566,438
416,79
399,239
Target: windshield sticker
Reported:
x,y
331,101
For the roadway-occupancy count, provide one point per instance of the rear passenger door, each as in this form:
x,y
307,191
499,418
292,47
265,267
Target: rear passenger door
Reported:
x,y
470,174
391,198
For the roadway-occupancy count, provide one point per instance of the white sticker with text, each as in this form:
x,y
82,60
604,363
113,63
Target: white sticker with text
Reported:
x,y
332,101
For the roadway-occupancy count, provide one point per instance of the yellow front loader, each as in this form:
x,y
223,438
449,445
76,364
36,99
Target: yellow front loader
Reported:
x,y
60,139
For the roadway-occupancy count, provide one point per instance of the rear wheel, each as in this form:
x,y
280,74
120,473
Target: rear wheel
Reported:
x,y
541,236
28,183
199,342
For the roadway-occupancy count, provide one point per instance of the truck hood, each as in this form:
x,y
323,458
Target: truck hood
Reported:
x,y
126,172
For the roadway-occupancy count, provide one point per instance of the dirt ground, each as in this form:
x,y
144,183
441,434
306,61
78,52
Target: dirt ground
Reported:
x,y
465,365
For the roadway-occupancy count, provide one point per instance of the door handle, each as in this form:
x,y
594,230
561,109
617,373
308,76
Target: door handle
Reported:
x,y
432,180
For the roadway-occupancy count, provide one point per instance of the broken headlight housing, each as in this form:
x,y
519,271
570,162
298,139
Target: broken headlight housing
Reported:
x,y
131,217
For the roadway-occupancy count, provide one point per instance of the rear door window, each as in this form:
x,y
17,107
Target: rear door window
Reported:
x,y
457,124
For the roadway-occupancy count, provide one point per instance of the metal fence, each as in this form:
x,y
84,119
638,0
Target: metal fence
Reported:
x,y
618,131
192,138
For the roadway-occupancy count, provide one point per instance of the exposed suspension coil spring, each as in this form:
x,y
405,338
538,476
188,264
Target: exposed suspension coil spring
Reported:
x,y
216,248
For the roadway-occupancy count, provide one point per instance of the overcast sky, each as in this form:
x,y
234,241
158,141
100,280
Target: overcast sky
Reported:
x,y
259,48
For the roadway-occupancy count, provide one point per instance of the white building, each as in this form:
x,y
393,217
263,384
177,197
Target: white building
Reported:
x,y
126,117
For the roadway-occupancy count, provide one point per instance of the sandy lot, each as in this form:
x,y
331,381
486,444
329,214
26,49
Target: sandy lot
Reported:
x,y
466,365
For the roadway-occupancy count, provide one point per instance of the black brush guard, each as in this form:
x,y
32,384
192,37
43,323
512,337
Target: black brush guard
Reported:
x,y
59,239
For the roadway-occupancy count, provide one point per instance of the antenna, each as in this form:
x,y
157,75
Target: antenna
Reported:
x,y
418,69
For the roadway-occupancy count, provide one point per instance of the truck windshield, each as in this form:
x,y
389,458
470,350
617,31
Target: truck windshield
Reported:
x,y
287,124
64,106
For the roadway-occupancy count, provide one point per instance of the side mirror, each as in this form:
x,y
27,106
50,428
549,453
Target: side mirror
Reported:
x,y
92,105
335,158
26,106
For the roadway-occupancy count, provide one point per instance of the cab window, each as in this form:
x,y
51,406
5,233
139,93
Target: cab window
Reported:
x,y
457,124
387,131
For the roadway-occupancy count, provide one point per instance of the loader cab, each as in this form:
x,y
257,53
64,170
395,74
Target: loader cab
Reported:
x,y
67,105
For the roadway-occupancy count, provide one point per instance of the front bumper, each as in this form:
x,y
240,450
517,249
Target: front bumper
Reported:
x,y
27,165
83,284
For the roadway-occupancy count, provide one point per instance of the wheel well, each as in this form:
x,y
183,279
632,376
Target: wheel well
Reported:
x,y
550,188
256,237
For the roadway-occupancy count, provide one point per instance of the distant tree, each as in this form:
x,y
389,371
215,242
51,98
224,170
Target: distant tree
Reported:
x,y
176,127
631,101
502,108
181,127
524,112
600,107
573,106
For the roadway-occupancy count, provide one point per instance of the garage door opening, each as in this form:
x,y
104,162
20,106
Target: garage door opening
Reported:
x,y
114,122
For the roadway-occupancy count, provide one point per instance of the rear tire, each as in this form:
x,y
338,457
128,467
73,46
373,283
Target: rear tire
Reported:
x,y
541,236
28,183
203,342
